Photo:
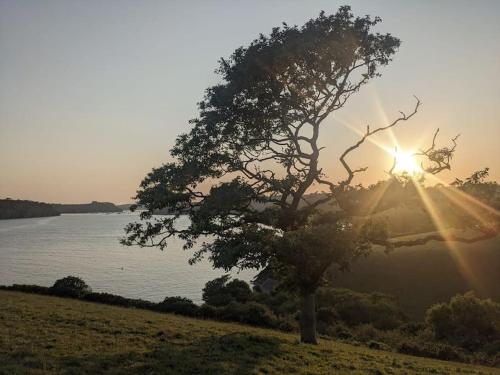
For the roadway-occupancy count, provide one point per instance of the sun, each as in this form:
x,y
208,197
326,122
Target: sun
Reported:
x,y
406,162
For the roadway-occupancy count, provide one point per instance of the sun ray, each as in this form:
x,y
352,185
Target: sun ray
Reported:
x,y
452,247
369,139
468,203
385,118
372,205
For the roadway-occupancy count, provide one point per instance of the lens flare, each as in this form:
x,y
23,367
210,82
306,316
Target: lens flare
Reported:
x,y
405,162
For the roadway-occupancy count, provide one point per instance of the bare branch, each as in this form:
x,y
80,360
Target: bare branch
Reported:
x,y
439,158
368,133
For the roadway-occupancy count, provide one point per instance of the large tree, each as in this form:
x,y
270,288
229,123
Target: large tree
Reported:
x,y
243,171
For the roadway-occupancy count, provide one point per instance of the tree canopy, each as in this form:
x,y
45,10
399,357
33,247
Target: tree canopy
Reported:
x,y
243,171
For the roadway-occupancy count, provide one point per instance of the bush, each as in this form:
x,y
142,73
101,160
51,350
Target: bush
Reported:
x,y
412,328
281,302
372,344
339,330
70,286
365,333
209,312
112,299
107,298
287,323
250,313
178,305
466,320
431,350
353,308
36,289
221,291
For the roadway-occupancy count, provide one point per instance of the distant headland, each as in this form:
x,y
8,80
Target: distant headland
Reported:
x,y
19,209
86,208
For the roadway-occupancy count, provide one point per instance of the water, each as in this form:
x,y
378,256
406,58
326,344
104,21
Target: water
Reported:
x,y
42,250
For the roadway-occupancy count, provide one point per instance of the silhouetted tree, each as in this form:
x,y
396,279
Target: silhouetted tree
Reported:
x,y
243,171
71,286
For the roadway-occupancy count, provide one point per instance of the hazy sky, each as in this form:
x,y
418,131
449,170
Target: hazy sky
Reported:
x,y
93,93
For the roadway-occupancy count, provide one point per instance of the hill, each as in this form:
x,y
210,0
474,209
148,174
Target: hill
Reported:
x,y
20,209
41,334
85,208
423,275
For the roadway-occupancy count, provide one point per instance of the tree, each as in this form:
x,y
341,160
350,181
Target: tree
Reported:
x,y
71,286
221,291
243,171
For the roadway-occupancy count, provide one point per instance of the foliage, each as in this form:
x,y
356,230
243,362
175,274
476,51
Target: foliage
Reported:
x,y
250,313
412,274
243,170
355,308
221,291
71,286
280,301
113,299
430,350
466,320
255,141
178,305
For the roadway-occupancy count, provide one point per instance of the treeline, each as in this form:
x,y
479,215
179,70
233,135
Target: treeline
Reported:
x,y
93,207
18,209
464,329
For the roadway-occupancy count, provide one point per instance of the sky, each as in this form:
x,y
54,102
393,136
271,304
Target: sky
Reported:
x,y
94,93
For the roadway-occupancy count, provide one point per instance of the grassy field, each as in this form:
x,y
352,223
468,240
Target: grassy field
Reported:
x,y
47,335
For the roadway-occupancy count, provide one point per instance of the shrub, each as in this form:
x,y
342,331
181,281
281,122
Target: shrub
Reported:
x,y
70,286
466,321
412,328
250,313
287,323
281,302
339,330
36,289
327,315
431,350
365,332
209,312
372,344
353,308
113,299
107,298
178,305
221,291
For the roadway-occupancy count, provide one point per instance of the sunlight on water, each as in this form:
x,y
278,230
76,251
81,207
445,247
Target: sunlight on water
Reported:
x,y
41,250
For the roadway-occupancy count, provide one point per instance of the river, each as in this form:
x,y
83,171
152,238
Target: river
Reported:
x,y
42,250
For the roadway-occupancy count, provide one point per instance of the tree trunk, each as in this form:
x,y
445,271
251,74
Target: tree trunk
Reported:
x,y
308,318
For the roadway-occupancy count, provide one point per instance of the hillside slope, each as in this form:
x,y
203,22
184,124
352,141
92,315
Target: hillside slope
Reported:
x,y
48,335
424,275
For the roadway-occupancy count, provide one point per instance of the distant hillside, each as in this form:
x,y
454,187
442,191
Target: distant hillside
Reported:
x,y
423,275
124,207
19,209
85,208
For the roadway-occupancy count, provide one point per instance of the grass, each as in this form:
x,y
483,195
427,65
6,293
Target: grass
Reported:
x,y
50,335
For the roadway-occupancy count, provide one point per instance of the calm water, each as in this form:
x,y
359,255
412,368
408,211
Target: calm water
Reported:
x,y
41,250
